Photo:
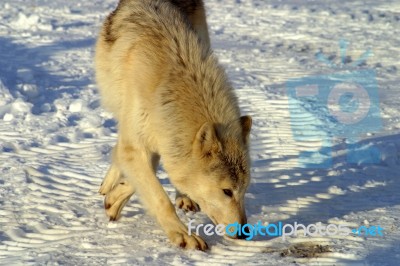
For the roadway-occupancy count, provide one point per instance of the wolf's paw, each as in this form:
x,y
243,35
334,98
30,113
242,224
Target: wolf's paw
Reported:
x,y
186,204
116,199
110,180
105,188
183,240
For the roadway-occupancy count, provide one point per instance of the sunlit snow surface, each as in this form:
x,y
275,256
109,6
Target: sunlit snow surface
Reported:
x,y
55,139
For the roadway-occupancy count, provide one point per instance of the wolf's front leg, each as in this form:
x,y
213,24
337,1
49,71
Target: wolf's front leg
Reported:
x,y
182,201
138,166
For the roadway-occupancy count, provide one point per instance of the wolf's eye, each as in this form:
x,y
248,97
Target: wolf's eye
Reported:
x,y
228,192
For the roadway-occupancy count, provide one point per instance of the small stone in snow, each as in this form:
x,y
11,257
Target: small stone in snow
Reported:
x,y
8,117
76,106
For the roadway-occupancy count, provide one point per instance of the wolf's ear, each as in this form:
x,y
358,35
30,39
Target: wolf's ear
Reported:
x,y
246,122
206,143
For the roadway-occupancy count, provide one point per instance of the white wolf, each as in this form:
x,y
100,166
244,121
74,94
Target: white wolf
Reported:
x,y
157,75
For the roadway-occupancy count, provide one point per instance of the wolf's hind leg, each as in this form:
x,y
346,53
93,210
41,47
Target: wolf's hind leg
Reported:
x,y
116,188
110,180
182,201
116,199
112,176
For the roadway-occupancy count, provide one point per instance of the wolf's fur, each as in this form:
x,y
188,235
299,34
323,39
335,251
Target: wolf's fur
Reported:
x,y
157,75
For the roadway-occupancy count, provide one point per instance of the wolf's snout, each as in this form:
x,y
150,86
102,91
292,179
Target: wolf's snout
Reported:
x,y
244,234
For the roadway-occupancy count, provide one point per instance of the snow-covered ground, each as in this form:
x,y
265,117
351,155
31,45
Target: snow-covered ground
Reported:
x,y
55,139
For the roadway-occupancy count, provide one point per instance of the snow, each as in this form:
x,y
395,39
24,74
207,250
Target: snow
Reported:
x,y
55,138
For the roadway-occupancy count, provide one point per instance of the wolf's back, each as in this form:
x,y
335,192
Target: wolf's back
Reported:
x,y
188,6
155,27
188,78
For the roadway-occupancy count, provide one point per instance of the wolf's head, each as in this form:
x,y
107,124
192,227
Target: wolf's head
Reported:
x,y
220,170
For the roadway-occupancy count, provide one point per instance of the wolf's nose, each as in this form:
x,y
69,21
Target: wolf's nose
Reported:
x,y
244,234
